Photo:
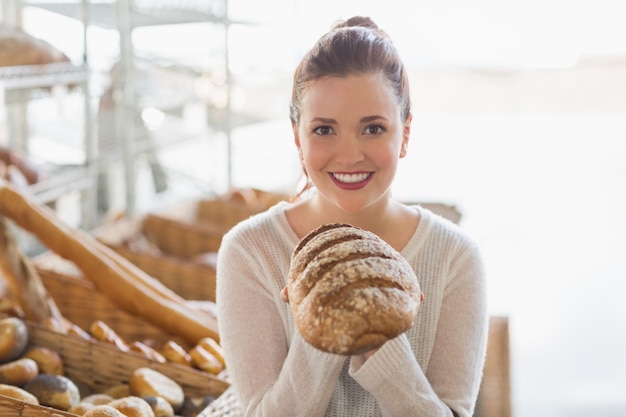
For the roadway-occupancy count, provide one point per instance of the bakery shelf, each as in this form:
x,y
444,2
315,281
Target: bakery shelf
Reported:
x,y
143,13
148,78
42,76
61,181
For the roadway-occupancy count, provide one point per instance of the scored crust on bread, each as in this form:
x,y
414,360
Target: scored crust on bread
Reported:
x,y
349,290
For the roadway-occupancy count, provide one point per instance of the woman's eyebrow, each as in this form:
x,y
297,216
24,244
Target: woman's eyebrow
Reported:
x,y
324,120
367,119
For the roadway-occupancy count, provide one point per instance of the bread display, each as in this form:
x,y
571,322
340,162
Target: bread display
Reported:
x,y
349,290
131,288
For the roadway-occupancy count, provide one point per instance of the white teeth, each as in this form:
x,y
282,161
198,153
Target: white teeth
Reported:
x,y
351,178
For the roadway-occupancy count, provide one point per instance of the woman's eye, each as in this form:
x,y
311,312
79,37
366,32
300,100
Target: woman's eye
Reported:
x,y
323,130
374,130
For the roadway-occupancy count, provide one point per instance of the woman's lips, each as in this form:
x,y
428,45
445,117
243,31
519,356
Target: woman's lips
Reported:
x,y
351,180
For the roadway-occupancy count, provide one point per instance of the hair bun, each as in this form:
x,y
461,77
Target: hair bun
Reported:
x,y
362,21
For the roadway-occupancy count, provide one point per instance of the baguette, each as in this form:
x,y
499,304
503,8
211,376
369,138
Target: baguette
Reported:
x,y
124,283
24,283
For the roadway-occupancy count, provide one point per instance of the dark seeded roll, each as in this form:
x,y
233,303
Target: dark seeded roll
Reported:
x,y
349,290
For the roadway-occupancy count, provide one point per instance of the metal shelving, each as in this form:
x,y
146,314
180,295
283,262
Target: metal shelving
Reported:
x,y
23,87
128,138
142,80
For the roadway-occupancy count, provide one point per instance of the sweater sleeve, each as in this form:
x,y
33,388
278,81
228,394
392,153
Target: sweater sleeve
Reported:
x,y
452,378
273,370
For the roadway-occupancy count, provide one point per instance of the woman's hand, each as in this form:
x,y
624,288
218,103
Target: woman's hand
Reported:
x,y
284,295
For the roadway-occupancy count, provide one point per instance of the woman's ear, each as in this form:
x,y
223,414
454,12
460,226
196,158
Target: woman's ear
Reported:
x,y
406,134
296,139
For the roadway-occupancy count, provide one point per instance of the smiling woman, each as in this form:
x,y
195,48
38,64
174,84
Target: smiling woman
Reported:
x,y
533,159
351,117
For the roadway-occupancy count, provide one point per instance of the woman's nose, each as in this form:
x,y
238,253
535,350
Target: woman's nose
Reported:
x,y
349,151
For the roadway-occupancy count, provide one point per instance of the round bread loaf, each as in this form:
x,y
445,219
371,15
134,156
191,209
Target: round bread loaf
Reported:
x,y
349,290
13,338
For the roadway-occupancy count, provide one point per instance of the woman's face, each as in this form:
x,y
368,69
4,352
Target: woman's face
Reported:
x,y
350,138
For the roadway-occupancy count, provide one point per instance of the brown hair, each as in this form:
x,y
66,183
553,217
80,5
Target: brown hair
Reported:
x,y
353,46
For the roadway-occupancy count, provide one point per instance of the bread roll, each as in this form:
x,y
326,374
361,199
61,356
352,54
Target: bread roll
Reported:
x,y
132,406
211,346
205,360
18,372
160,406
103,411
102,332
349,290
13,338
54,391
146,382
146,351
98,399
81,408
174,352
118,391
18,393
48,360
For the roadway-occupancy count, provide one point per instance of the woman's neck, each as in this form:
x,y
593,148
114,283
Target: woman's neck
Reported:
x,y
389,219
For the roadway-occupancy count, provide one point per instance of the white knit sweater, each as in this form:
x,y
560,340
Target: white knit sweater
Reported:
x,y
434,367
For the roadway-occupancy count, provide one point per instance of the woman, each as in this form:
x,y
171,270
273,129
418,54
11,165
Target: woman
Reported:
x,y
351,119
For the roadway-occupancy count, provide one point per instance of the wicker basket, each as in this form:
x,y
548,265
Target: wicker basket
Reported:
x,y
192,279
223,212
180,238
195,227
226,405
172,245
79,301
101,366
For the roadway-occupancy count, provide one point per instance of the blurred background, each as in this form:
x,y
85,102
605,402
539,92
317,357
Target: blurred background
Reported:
x,y
519,121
